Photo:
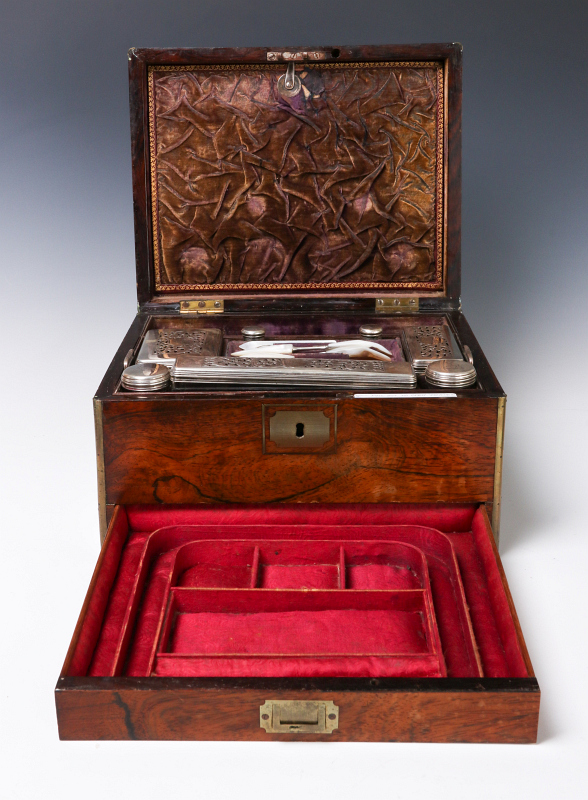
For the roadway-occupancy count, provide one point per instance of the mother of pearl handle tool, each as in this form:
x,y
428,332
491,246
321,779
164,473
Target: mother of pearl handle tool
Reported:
x,y
353,348
329,345
316,343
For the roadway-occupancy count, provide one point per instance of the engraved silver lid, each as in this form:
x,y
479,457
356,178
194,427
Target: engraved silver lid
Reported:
x,y
450,372
371,331
145,377
162,346
253,332
429,343
278,372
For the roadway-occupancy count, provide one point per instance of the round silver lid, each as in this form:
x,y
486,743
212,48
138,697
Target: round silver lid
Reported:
x,y
253,332
146,377
371,330
450,372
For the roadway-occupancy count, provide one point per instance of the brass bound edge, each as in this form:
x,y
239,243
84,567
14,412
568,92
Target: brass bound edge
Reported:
x,y
100,464
498,468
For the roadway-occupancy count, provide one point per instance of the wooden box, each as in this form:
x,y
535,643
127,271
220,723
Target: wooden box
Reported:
x,y
349,590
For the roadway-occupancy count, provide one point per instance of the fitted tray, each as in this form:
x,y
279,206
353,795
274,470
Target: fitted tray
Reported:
x,y
196,616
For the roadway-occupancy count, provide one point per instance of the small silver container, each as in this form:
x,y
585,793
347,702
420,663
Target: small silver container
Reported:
x,y
145,377
253,332
371,331
450,372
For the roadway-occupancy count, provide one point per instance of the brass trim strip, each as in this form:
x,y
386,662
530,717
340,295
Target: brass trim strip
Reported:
x,y
306,287
436,285
408,63
498,468
99,432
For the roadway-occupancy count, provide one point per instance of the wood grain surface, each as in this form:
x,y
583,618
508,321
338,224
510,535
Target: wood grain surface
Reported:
x,y
435,710
184,450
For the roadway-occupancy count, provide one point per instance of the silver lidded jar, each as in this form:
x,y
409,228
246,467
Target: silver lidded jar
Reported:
x,y
145,377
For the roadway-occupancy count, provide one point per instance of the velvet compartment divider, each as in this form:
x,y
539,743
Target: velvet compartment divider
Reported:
x,y
264,598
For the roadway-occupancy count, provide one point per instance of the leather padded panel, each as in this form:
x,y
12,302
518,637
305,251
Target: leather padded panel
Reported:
x,y
340,186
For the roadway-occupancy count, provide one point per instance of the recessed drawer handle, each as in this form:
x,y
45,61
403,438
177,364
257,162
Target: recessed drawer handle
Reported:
x,y
299,716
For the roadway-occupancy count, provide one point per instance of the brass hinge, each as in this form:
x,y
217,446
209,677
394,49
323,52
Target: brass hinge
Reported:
x,y
396,305
208,306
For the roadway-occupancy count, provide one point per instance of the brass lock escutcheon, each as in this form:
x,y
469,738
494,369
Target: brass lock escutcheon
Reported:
x,y
299,429
299,716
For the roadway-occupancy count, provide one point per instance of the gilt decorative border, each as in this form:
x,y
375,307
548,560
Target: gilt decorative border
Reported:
x,y
435,285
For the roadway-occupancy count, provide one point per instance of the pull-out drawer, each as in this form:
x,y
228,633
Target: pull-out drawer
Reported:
x,y
356,622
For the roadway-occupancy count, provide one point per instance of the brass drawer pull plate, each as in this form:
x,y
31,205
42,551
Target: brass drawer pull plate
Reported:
x,y
299,716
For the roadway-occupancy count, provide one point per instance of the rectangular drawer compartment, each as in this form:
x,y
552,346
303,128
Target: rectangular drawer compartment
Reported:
x,y
398,616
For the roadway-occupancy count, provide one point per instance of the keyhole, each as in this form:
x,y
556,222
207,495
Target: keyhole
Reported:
x,y
299,430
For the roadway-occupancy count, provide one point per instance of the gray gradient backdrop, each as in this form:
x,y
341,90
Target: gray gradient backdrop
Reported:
x,y
68,296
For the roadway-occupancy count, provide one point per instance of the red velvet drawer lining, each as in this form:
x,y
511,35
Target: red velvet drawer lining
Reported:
x,y
293,633
123,634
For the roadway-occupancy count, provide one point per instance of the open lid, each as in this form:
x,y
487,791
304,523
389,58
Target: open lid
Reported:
x,y
297,173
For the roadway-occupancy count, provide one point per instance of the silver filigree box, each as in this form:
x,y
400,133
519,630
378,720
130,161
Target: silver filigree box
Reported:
x,y
163,346
428,343
272,372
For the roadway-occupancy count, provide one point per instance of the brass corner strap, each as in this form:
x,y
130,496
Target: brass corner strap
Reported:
x,y
299,716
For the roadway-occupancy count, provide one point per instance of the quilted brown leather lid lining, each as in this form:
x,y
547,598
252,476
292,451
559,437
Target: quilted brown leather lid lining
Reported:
x,y
339,187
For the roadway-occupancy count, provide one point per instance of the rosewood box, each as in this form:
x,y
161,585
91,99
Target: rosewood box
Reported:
x,y
256,582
